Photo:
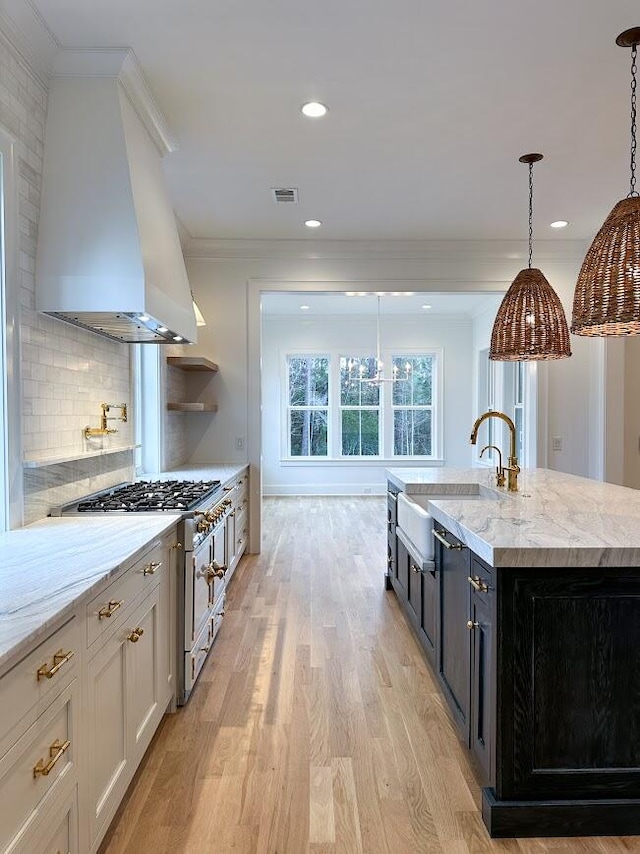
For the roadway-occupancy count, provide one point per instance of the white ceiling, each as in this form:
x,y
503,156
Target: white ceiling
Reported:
x,y
431,104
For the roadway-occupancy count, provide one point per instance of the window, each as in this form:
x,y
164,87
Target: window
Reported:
x,y
487,434
11,515
308,405
518,406
333,409
359,408
412,403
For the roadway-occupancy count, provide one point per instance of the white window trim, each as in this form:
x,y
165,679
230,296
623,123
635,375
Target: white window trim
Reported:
x,y
11,480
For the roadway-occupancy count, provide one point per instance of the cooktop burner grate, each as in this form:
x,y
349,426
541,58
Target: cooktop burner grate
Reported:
x,y
151,496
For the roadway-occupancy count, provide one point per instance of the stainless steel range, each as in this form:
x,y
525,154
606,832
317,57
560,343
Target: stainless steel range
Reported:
x,y
204,508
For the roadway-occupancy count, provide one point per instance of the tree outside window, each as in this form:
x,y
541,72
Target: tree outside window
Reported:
x,y
308,402
359,407
412,404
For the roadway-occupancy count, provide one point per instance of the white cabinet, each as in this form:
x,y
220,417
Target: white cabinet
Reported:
x,y
238,521
79,710
40,742
129,680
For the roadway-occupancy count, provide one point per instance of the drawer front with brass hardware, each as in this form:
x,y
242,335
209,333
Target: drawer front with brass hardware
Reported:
x,y
107,610
37,767
35,681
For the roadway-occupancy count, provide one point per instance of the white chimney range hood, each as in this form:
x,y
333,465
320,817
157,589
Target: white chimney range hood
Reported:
x,y
109,256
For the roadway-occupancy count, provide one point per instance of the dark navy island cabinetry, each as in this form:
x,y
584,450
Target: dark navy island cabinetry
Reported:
x,y
540,667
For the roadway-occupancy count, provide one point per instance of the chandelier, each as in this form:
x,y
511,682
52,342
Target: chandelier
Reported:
x,y
607,295
359,372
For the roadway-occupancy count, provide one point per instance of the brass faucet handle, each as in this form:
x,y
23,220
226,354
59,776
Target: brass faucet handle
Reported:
x,y
500,477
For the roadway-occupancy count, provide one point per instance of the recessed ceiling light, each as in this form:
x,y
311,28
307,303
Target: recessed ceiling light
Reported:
x,y
314,110
425,306
312,223
559,223
304,308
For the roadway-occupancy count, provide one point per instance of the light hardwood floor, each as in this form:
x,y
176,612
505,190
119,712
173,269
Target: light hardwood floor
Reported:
x,y
316,725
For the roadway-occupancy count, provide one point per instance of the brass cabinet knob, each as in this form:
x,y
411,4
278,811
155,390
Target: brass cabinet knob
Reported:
x,y
472,625
135,635
415,568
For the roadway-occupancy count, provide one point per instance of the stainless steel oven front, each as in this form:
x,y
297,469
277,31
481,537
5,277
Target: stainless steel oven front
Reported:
x,y
202,592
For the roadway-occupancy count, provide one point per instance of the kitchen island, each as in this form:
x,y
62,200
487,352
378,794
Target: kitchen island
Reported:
x,y
529,612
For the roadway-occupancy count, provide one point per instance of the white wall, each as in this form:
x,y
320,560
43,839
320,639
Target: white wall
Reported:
x,y
353,334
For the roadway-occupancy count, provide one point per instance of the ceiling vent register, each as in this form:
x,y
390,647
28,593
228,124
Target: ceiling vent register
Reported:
x,y
285,195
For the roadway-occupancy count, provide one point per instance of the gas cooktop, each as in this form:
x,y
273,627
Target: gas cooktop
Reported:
x,y
150,496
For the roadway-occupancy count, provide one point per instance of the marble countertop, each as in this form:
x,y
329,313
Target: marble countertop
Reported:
x,y
554,520
46,569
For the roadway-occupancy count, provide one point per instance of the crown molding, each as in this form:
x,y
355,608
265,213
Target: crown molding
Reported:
x,y
26,34
405,250
121,64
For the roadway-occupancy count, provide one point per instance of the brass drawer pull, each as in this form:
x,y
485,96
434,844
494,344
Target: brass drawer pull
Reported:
x,y
55,752
110,609
135,635
151,568
439,535
478,584
176,546
59,659
471,625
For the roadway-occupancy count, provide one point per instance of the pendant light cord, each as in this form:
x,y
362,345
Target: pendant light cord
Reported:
x,y
530,213
634,68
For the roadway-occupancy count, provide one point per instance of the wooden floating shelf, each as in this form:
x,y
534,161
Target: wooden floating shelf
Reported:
x,y
193,407
192,363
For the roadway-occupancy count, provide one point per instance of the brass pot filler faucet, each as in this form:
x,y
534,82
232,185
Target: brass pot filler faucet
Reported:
x,y
512,468
102,430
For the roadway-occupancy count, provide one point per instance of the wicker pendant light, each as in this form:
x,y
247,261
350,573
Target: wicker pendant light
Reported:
x,y
607,296
530,323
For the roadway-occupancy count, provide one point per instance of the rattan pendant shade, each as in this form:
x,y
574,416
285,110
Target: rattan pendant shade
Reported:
x,y
607,295
530,324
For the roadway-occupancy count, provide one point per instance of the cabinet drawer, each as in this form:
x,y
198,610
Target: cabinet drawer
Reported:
x,y
242,531
195,659
56,831
106,610
34,683
33,770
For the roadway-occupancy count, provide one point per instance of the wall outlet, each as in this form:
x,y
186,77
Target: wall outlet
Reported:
x,y
239,443
556,443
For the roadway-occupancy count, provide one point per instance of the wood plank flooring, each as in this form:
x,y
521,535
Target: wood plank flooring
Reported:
x,y
316,726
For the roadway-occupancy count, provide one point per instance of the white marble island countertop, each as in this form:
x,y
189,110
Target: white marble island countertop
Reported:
x,y
47,567
554,520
